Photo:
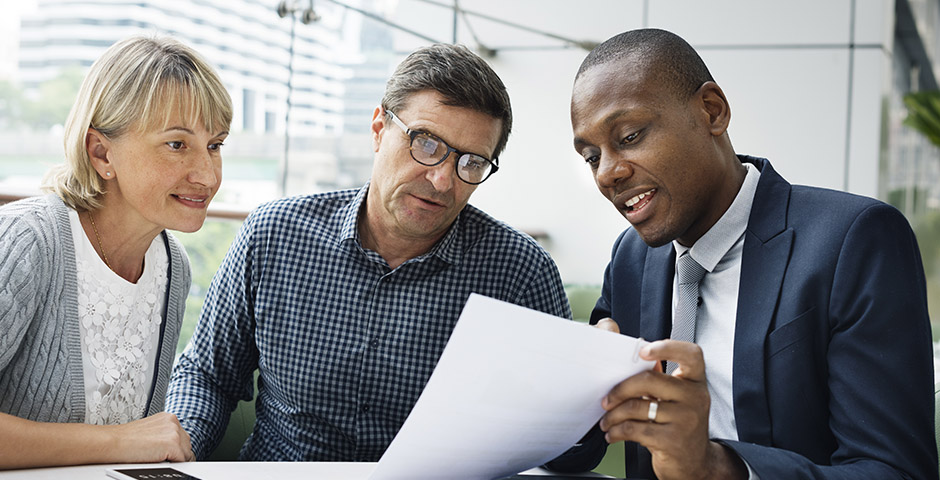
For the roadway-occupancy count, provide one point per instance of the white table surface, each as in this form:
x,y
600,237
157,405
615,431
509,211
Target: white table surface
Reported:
x,y
227,471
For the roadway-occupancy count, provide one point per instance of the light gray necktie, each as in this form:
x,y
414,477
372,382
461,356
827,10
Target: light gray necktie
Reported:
x,y
690,273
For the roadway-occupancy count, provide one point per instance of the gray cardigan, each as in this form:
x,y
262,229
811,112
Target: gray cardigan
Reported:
x,y
41,375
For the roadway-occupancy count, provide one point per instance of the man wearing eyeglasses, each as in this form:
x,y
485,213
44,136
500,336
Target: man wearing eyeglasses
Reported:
x,y
344,301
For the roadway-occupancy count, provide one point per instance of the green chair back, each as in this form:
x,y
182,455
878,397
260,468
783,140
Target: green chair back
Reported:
x,y
240,425
582,299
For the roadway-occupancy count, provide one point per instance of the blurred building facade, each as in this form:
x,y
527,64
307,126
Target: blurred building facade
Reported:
x,y
295,86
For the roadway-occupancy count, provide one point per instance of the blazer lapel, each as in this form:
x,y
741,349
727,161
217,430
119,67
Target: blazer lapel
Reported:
x,y
767,245
656,293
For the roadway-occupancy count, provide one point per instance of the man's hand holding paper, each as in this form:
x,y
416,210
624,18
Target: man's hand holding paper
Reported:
x,y
668,414
514,389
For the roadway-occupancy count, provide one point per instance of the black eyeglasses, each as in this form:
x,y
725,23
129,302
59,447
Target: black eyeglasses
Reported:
x,y
429,150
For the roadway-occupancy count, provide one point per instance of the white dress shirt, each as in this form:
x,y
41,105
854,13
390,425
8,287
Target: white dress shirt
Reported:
x,y
719,252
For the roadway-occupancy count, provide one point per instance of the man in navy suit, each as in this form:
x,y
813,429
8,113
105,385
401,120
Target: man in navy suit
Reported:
x,y
812,351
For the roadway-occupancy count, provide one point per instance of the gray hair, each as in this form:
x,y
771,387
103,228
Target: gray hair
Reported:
x,y
132,87
460,76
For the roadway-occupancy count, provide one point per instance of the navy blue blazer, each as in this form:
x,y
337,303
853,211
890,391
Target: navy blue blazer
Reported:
x,y
833,362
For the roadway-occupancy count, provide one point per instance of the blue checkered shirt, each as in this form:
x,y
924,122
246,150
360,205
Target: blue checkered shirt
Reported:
x,y
343,344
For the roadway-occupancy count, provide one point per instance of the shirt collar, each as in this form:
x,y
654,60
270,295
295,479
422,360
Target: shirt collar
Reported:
x,y
448,248
718,240
350,229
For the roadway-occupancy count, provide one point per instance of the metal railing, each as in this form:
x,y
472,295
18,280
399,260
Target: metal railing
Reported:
x,y
221,213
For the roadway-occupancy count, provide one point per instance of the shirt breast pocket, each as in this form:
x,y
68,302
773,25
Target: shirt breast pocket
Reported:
x,y
789,335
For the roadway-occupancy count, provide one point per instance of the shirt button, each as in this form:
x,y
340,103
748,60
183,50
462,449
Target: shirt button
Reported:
x,y
374,343
365,407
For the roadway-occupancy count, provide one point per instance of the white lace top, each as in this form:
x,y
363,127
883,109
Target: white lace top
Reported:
x,y
120,330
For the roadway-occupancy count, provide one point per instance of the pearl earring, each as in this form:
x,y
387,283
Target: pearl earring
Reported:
x,y
107,174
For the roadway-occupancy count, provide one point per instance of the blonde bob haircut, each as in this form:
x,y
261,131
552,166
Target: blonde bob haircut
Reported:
x,y
131,88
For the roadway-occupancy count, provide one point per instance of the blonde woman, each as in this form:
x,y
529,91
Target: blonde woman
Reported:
x,y
92,287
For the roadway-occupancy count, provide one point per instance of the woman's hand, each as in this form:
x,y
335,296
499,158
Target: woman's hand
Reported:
x,y
29,444
156,438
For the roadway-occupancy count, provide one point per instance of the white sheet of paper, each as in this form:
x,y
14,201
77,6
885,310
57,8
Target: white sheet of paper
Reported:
x,y
514,388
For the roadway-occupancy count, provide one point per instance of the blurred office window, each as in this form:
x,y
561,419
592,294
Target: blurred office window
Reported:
x,y
910,168
330,74
326,72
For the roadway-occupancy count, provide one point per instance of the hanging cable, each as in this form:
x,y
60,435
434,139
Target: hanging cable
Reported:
x,y
584,44
481,48
490,51
380,19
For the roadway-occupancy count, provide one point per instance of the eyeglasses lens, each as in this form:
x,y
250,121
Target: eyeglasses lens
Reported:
x,y
473,168
427,150
430,151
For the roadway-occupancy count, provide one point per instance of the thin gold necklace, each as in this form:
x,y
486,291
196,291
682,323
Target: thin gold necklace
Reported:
x,y
98,237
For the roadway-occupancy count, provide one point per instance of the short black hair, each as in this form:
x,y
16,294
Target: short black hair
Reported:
x,y
460,76
662,53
